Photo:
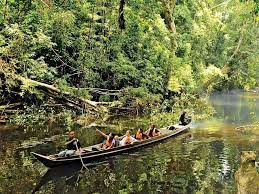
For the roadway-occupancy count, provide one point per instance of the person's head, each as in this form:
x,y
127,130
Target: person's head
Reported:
x,y
128,133
152,126
71,134
116,137
140,130
111,136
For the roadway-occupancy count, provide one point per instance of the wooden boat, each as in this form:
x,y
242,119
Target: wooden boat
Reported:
x,y
88,155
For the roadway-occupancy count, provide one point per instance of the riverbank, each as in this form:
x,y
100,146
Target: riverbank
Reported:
x,y
155,111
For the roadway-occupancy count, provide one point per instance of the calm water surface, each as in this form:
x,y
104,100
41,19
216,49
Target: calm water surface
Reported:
x,y
206,159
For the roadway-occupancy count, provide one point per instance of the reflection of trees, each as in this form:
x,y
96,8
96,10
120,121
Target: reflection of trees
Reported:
x,y
206,166
60,176
236,108
16,176
157,171
192,165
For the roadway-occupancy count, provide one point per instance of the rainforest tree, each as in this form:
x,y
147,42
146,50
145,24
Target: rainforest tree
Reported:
x,y
132,52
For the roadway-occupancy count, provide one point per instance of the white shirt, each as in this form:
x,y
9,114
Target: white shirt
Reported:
x,y
132,139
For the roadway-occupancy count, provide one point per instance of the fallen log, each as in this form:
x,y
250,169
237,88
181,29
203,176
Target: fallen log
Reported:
x,y
7,106
67,98
102,91
8,111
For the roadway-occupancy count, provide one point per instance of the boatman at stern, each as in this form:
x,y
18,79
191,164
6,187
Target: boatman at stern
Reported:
x,y
184,119
72,144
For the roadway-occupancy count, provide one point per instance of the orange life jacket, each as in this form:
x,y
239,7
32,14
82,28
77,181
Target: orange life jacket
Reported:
x,y
108,142
139,136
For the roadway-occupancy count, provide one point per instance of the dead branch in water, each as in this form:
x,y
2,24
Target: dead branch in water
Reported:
x,y
247,126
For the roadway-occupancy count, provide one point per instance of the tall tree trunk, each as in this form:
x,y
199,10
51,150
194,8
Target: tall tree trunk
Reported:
x,y
121,20
5,9
168,6
226,68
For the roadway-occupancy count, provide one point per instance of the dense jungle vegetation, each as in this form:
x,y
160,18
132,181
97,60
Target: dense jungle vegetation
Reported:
x,y
125,56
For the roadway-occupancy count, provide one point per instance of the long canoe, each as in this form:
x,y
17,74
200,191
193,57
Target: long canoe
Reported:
x,y
88,155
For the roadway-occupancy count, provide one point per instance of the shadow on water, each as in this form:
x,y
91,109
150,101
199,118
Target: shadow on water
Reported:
x,y
71,173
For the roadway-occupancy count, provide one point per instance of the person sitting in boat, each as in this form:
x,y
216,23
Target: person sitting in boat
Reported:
x,y
184,119
109,142
140,135
72,144
117,141
153,131
127,139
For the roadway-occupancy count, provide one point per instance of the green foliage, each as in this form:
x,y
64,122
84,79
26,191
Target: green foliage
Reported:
x,y
78,44
62,29
222,35
36,115
181,79
140,98
20,50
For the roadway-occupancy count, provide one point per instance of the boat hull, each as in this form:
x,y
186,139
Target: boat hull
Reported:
x,y
99,155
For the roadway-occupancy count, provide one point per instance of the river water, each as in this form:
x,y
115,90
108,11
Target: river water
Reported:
x,y
206,159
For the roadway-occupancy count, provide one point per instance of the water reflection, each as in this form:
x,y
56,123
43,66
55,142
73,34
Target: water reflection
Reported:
x,y
191,163
247,179
196,161
187,138
204,160
237,107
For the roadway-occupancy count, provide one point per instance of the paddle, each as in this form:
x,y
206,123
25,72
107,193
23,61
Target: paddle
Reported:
x,y
79,153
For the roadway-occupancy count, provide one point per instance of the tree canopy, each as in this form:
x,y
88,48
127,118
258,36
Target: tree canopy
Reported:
x,y
152,49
